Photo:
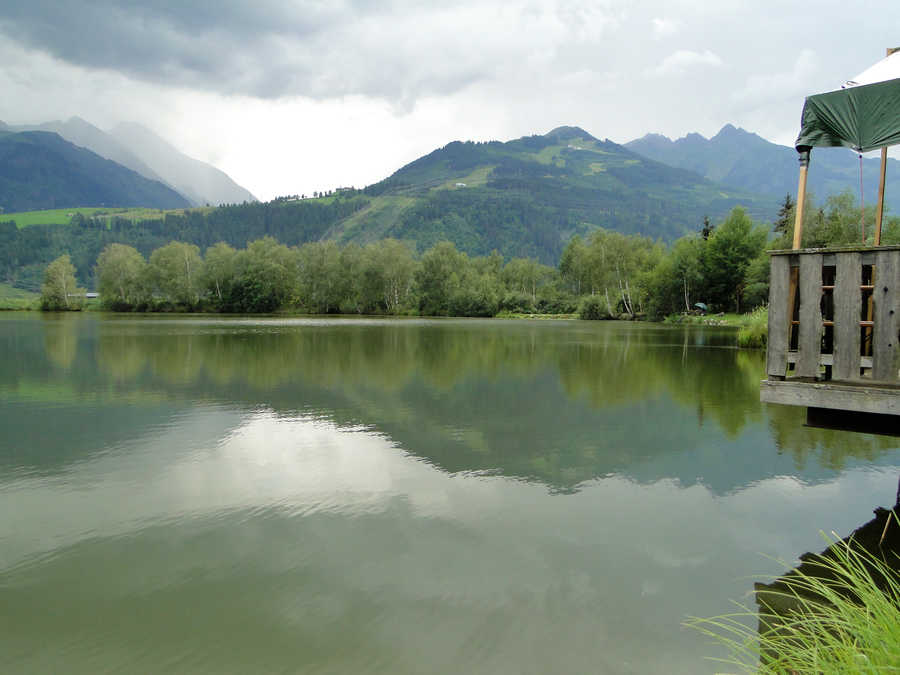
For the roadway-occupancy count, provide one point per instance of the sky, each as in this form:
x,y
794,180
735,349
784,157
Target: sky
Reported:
x,y
295,96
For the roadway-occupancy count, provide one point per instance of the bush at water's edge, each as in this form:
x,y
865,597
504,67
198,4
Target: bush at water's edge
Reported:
x,y
755,332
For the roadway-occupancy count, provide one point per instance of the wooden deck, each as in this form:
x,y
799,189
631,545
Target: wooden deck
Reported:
x,y
834,329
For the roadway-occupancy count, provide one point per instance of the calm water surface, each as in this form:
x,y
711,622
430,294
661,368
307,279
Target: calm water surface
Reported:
x,y
379,496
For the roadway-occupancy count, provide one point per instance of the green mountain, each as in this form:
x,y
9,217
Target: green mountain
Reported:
x,y
741,159
40,170
528,196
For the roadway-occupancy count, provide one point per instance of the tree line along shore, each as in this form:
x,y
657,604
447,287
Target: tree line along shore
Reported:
x,y
724,266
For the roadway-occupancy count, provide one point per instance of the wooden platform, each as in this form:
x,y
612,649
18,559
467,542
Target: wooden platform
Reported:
x,y
880,400
834,330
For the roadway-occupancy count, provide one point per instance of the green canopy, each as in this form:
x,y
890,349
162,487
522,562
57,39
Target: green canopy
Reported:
x,y
863,118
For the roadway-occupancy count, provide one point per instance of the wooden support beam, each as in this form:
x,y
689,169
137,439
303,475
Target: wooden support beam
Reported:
x,y
779,320
847,310
886,301
809,343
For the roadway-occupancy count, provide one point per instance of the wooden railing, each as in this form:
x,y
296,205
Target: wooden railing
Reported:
x,y
834,314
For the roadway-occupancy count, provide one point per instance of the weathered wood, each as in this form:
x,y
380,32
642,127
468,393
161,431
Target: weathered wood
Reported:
x,y
882,400
847,310
828,360
878,389
779,321
810,341
886,298
867,251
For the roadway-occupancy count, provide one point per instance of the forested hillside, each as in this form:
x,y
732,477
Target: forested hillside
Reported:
x,y
523,198
40,170
527,197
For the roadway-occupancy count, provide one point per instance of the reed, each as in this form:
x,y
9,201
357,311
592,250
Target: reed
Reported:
x,y
843,617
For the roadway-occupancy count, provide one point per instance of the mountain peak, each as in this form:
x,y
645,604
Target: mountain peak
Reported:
x,y
654,137
565,133
731,131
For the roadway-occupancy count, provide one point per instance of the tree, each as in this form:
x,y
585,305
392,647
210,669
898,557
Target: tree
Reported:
x,y
573,266
321,278
727,256
785,215
439,277
265,278
59,290
121,277
218,271
176,270
387,276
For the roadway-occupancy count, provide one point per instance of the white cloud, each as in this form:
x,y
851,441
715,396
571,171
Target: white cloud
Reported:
x,y
665,27
765,87
683,60
295,97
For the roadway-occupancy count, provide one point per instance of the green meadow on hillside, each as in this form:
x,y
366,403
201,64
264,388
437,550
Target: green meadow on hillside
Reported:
x,y
64,216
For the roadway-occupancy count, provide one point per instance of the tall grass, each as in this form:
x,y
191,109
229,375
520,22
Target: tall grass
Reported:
x,y
839,614
755,330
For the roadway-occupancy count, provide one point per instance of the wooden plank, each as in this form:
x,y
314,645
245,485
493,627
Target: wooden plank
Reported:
x,y
777,347
828,360
884,401
847,310
886,298
810,342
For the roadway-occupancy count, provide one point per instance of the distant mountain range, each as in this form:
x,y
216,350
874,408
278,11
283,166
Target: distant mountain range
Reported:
x,y
738,158
40,170
139,149
523,198
527,197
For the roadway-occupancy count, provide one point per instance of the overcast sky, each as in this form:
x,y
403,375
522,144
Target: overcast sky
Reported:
x,y
290,97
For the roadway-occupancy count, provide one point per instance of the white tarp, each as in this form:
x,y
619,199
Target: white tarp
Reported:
x,y
886,69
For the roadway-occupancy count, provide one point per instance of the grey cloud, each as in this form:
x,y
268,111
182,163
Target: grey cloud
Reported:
x,y
265,49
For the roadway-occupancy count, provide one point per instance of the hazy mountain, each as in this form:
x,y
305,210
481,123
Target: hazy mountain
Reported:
x,y
41,170
139,149
77,131
741,159
196,180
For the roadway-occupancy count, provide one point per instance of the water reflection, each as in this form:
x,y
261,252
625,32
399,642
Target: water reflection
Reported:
x,y
393,497
854,570
559,403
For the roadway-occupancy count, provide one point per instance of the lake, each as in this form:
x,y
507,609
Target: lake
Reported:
x,y
280,495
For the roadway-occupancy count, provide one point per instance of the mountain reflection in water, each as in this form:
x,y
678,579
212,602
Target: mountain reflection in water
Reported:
x,y
215,495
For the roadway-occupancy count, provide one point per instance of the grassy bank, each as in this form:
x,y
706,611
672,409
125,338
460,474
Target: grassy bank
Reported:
x,y
845,618
753,327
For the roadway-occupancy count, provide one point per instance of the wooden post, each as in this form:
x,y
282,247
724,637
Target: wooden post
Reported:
x,y
879,210
801,199
798,236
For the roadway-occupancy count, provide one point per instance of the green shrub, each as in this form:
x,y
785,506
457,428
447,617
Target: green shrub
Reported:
x,y
592,308
755,332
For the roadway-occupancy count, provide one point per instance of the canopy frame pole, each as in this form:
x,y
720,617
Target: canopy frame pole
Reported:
x,y
879,210
798,237
801,197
